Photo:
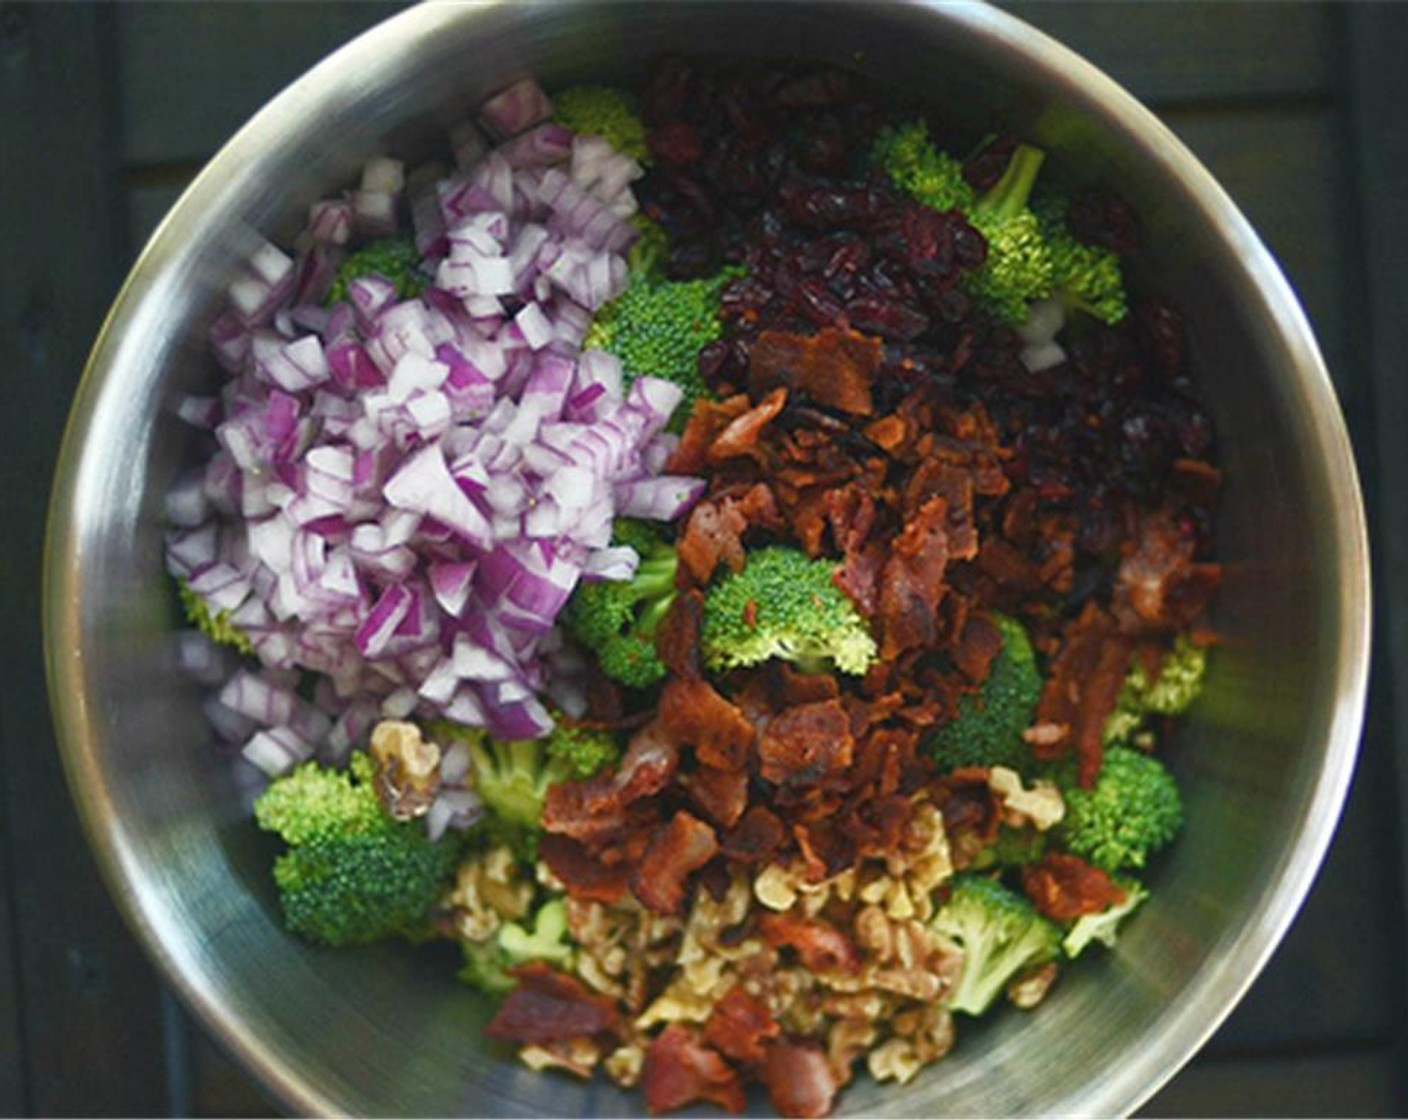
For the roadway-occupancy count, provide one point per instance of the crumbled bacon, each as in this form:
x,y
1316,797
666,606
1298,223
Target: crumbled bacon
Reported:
x,y
692,712
706,420
1160,587
833,367
819,945
912,581
756,837
1063,887
679,1070
743,432
677,638
584,875
805,743
722,795
799,1079
713,535
978,645
740,1026
676,850
550,1006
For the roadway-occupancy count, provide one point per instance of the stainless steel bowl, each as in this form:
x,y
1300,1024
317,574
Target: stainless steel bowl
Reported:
x,y
1265,759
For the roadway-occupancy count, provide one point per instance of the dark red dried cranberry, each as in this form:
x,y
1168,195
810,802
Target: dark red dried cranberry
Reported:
x,y
984,168
676,144
887,318
1104,219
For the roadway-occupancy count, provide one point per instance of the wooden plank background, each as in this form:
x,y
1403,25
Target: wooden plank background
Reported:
x,y
108,111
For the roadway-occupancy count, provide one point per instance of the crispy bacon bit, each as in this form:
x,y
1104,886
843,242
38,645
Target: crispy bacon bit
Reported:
x,y
706,420
677,639
692,712
741,1026
805,743
972,812
834,367
1081,690
820,946
722,795
913,581
550,1006
1159,587
592,807
978,645
585,876
756,837
1064,887
683,846
742,434
712,535
800,1080
679,1070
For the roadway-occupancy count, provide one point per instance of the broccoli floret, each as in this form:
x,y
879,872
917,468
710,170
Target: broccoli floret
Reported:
x,y
784,605
928,175
487,963
647,254
1085,277
217,627
1178,684
617,619
1000,933
1019,266
607,112
394,258
658,327
1013,847
512,777
987,731
1132,811
352,874
1104,927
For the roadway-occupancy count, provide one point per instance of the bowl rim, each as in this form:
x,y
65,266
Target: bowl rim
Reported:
x,y
1188,1025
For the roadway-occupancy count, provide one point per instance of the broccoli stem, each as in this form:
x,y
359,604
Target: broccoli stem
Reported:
x,y
1007,197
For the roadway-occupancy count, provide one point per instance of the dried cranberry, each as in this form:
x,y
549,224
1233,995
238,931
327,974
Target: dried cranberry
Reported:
x,y
887,318
1104,219
676,144
984,168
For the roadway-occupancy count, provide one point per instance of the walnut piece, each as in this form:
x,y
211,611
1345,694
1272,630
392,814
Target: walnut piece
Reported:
x,y
407,769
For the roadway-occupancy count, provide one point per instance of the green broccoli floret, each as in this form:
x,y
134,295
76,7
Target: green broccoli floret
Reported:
x,y
512,776
352,873
1019,266
394,258
607,112
987,731
1085,277
784,605
617,619
217,627
1132,811
1013,847
1104,927
1178,684
647,254
928,175
1000,933
658,327
487,963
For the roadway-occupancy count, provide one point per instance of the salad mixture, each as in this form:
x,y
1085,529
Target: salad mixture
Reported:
x,y
723,559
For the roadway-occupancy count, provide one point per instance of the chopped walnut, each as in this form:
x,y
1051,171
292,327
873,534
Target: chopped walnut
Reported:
x,y
1030,986
623,1065
847,1041
1041,806
487,892
407,774
576,1055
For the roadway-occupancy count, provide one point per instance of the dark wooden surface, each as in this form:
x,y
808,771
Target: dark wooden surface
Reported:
x,y
107,111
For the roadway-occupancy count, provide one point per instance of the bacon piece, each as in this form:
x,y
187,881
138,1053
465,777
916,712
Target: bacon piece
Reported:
x,y
805,743
712,535
550,1006
821,947
692,712
742,434
677,638
799,1079
722,795
706,420
590,808
934,478
741,1026
834,367
679,1070
583,875
679,848
756,837
978,645
1159,587
913,581
1081,690
1063,887
972,812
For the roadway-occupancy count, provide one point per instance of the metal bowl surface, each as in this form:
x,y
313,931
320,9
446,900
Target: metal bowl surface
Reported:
x,y
1265,758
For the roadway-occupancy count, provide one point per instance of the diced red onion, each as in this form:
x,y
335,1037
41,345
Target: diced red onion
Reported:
x,y
515,109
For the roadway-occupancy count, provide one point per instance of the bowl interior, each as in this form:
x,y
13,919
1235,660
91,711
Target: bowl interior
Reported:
x,y
1265,758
